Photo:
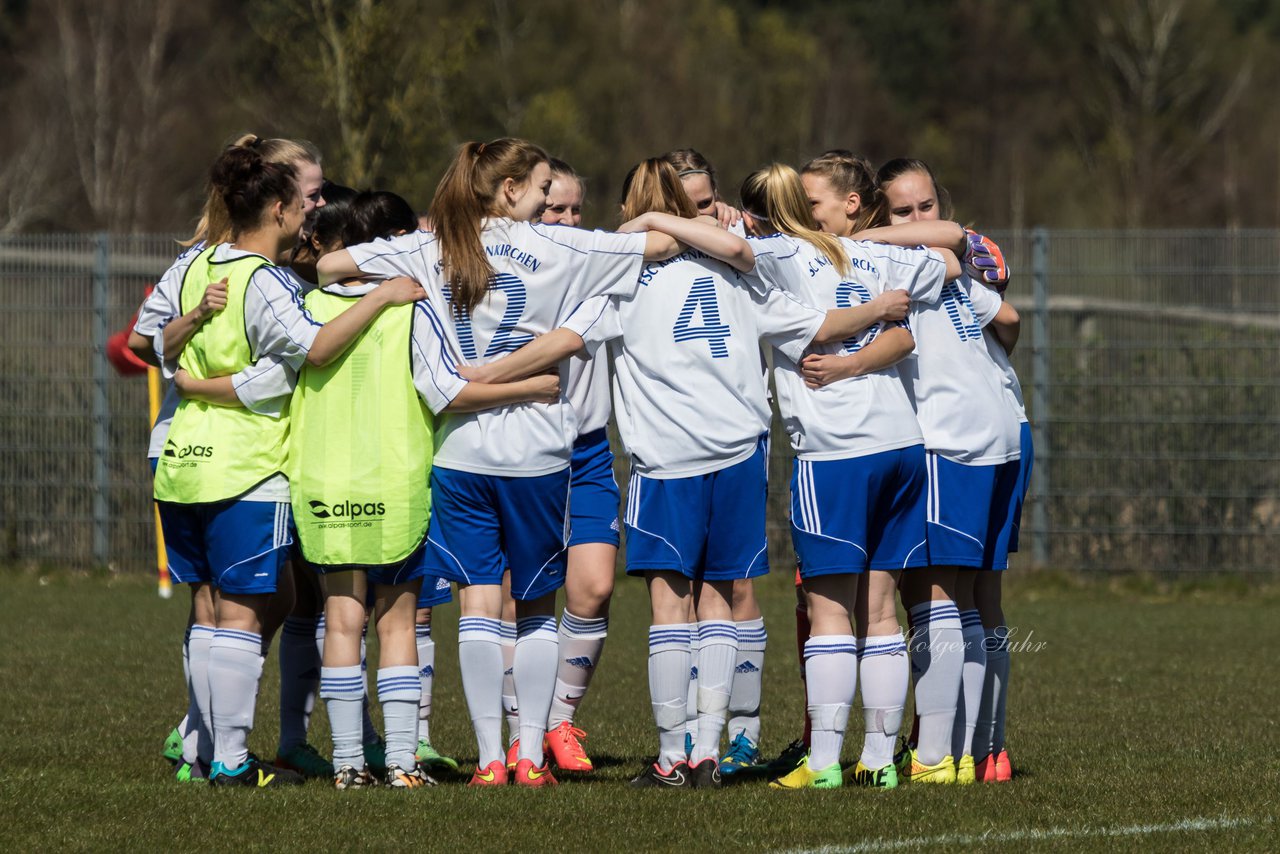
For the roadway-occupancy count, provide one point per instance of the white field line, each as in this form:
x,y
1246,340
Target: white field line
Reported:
x,y
1036,835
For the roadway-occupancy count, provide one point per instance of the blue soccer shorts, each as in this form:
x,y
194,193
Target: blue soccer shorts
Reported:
x,y
968,512
593,493
238,546
859,513
483,523
707,527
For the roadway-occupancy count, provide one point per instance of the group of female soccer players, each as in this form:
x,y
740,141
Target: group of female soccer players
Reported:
x,y
421,407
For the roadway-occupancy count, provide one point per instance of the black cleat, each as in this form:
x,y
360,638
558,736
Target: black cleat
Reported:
x,y
653,778
705,775
256,774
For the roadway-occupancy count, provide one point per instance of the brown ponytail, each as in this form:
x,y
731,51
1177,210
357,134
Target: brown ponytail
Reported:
x,y
654,185
466,194
778,192
247,185
215,223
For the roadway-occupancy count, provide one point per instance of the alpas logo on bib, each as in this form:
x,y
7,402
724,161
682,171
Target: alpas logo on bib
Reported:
x,y
348,510
171,449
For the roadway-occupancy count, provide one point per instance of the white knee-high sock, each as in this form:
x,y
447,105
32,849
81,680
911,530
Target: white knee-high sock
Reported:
x,y
197,739
989,739
343,692
972,675
235,668
480,663
535,675
937,657
882,661
831,665
748,675
509,707
691,699
717,651
299,679
399,690
426,677
581,641
669,663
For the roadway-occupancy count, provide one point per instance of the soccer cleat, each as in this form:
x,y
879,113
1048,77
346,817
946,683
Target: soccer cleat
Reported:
x,y
788,760
532,777
173,748
566,749
406,778
375,756
429,759
943,772
349,778
493,774
254,774
984,770
653,777
513,755
804,777
742,754
965,771
307,761
705,774
191,773
881,778
902,759
1004,769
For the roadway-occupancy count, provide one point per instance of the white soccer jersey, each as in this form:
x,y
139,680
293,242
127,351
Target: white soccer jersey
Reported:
x,y
587,380
957,389
859,415
542,273
1008,376
690,397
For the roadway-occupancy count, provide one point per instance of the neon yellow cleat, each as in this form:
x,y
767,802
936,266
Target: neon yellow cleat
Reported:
x,y
965,772
943,772
804,777
881,778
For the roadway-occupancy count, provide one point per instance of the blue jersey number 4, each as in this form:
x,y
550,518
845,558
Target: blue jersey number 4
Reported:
x,y
702,300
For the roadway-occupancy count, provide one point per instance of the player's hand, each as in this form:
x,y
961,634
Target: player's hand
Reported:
x,y
984,261
544,388
892,305
727,215
182,381
819,369
401,291
213,301
640,223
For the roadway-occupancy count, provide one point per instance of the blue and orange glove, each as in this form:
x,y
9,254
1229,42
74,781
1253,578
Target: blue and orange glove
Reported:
x,y
984,261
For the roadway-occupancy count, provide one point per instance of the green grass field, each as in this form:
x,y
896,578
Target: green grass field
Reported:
x,y
1147,719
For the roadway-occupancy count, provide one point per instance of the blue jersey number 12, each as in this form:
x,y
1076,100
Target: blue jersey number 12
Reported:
x,y
702,299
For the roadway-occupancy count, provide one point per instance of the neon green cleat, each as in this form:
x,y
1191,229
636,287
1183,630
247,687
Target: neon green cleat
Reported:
x,y
944,772
964,771
173,747
881,778
429,759
804,777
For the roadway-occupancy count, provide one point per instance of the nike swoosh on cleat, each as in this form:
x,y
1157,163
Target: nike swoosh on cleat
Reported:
x,y
487,776
676,779
264,780
535,774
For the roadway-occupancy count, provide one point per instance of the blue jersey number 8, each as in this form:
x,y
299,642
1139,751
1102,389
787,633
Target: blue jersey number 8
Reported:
x,y
504,339
845,292
702,297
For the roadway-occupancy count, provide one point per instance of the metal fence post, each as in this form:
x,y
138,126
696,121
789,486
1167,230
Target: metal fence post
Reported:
x,y
101,411
1040,383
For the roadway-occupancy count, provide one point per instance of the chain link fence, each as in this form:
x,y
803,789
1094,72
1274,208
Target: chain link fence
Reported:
x,y
1148,362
